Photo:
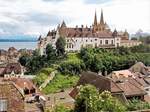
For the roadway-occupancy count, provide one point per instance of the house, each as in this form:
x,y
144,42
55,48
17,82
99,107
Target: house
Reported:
x,y
3,55
121,74
139,67
25,85
11,70
123,90
132,77
11,98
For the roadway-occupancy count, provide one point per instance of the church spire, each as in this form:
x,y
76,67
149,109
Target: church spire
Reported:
x,y
102,18
63,25
95,18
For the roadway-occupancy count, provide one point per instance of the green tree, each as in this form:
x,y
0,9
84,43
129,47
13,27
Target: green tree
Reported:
x,y
107,103
50,52
87,100
60,46
24,60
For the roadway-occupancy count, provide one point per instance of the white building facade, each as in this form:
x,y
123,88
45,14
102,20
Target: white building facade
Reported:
x,y
97,35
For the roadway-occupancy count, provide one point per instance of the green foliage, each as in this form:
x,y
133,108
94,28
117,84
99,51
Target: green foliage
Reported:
x,y
60,82
107,103
72,65
89,100
24,60
42,75
145,40
140,49
111,60
136,104
50,52
60,46
61,108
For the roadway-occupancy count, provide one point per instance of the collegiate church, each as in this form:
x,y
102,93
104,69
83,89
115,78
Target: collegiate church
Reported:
x,y
97,35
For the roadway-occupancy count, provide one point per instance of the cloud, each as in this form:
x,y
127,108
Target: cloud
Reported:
x,y
96,1
36,17
43,18
53,0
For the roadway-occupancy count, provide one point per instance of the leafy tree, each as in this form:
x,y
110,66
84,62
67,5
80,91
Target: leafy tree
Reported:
x,y
50,52
87,100
72,67
24,60
107,103
60,46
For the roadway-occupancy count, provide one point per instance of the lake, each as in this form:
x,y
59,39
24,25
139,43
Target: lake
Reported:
x,y
18,45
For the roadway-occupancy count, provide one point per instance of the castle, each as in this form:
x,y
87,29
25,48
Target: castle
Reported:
x,y
97,35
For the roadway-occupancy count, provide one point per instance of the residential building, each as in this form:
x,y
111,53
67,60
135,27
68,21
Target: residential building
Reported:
x,y
11,70
123,90
11,98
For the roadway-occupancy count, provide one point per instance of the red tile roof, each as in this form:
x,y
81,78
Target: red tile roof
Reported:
x,y
83,32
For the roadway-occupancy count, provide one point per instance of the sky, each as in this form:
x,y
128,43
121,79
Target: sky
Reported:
x,y
37,17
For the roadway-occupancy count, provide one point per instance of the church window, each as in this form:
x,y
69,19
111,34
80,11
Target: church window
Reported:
x,y
91,40
86,40
95,39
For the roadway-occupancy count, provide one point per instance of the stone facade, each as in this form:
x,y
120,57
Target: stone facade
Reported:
x,y
12,98
97,35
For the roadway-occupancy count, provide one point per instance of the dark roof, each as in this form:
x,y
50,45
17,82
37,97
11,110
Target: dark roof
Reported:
x,y
22,83
83,32
131,88
2,70
100,82
7,86
16,67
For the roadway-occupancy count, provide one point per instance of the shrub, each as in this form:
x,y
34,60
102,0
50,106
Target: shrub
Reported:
x,y
72,67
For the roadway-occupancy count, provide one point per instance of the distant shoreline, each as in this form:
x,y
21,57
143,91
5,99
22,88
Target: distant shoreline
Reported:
x,y
15,40
19,44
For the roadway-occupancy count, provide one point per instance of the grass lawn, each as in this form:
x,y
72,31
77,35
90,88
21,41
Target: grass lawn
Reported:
x,y
60,82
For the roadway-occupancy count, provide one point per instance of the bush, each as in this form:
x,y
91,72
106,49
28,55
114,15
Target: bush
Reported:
x,y
111,60
42,76
60,82
72,67
136,104
89,100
